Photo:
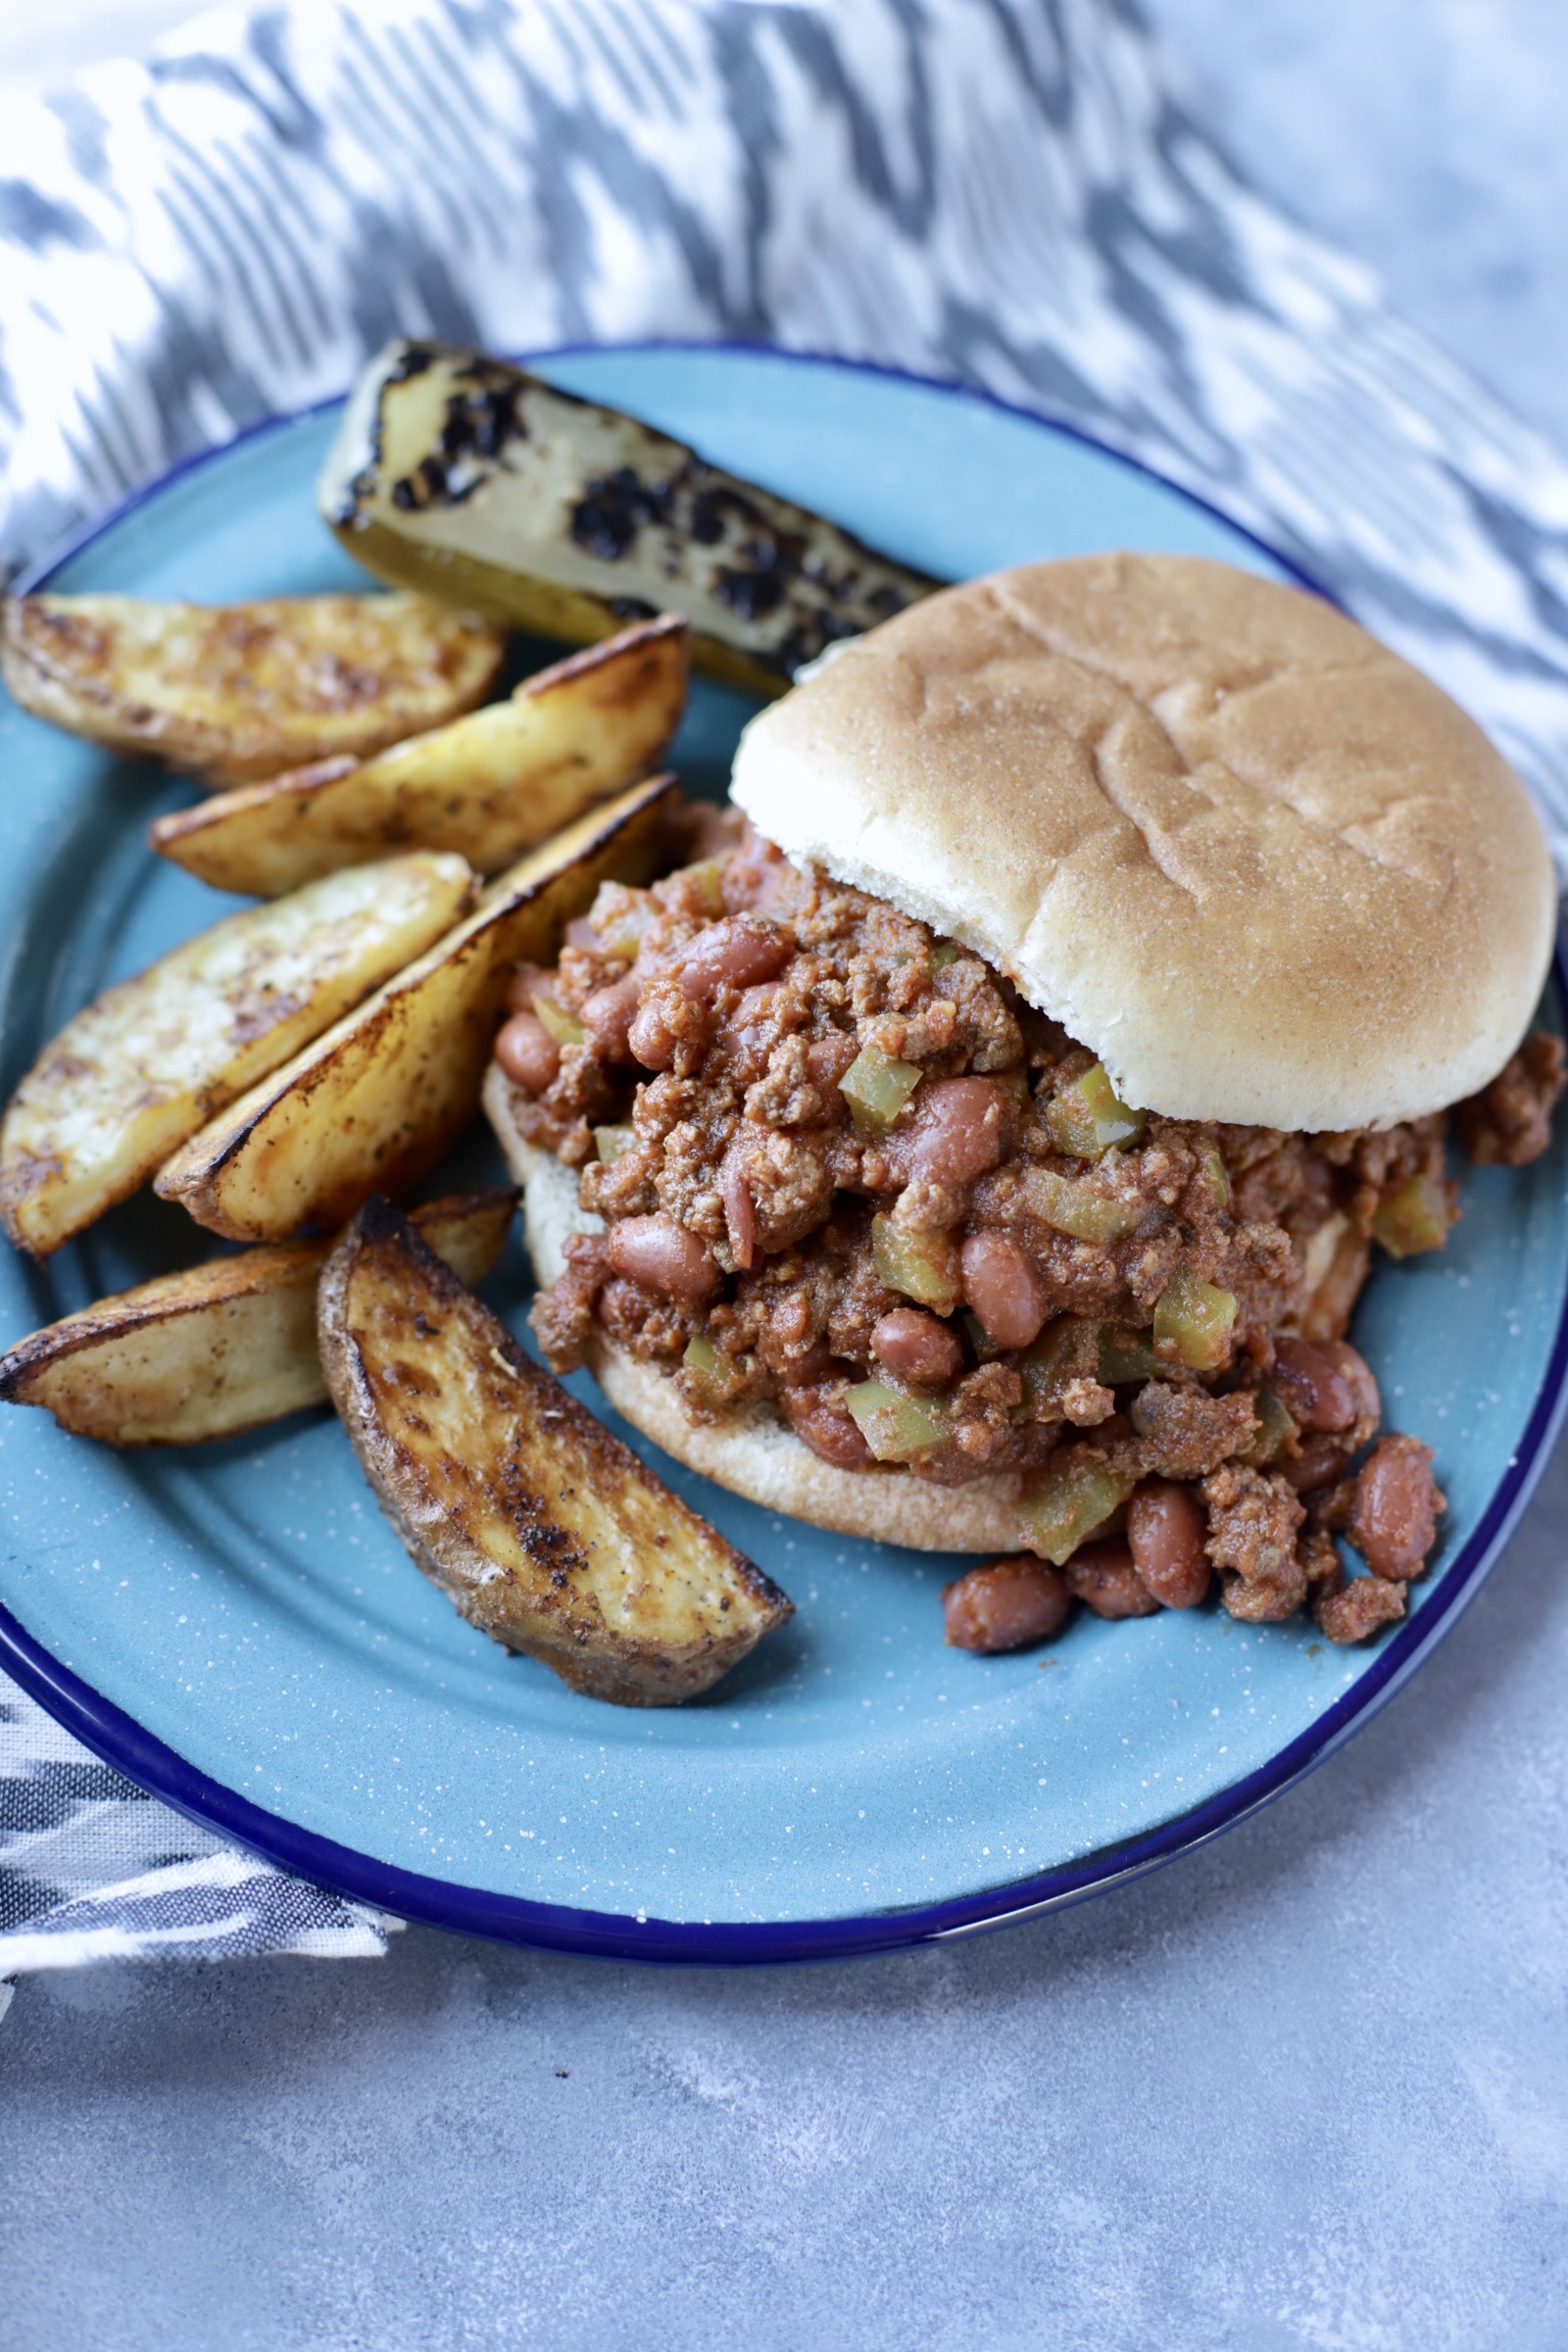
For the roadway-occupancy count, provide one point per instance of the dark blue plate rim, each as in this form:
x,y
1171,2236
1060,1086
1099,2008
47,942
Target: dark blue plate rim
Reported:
x,y
161,1772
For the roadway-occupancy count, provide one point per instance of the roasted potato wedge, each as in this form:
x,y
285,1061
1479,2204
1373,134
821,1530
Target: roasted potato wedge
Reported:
x,y
222,1347
373,1103
130,1077
473,480
228,693
489,786
547,1531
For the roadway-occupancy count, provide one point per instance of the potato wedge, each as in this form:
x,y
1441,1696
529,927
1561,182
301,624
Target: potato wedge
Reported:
x,y
489,786
130,1077
373,1103
473,480
219,1348
547,1531
230,692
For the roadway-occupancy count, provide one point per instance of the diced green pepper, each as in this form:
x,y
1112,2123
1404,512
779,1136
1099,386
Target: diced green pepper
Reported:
x,y
1072,1209
700,887
1413,1217
613,1143
876,1088
985,1348
1125,1354
1065,1351
620,916
1215,1175
1070,1500
715,1375
1088,1116
897,1426
1197,1317
1276,1426
923,1265
560,1025
943,953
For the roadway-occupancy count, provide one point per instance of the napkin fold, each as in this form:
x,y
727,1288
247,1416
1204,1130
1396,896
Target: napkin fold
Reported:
x,y
1009,194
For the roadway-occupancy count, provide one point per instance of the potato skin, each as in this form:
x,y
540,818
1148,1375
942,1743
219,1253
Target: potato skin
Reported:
x,y
546,1532
139,1070
373,1103
219,1349
228,693
489,786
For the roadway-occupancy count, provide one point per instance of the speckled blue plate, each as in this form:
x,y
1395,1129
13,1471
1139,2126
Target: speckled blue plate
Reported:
x,y
238,1629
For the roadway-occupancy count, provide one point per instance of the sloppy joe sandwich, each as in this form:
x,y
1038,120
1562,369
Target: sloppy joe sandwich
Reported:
x,y
980,1138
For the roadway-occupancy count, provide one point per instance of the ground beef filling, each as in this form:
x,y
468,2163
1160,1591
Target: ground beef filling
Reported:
x,y
843,1167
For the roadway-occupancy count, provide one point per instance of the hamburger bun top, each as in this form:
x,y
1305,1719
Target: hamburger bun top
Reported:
x,y
1259,865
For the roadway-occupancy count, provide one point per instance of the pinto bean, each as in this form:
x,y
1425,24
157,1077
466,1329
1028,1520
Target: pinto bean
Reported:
x,y
1356,1372
1319,1463
736,952
1315,1391
529,981
661,1256
916,1348
607,1015
1103,1578
1393,1519
1166,1530
957,1133
1003,1285
650,1039
1006,1604
825,1428
828,1059
527,1053
740,1209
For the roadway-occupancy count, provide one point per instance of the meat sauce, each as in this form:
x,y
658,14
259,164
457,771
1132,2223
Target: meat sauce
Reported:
x,y
845,1169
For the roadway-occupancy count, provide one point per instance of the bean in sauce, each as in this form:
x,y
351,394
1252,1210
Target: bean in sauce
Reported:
x,y
661,1256
956,1132
1006,1604
527,1053
1166,1532
916,1348
1001,1284
1103,1578
1393,1519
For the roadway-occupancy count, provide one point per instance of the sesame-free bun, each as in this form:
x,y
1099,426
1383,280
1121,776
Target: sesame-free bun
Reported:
x,y
752,1453
1259,865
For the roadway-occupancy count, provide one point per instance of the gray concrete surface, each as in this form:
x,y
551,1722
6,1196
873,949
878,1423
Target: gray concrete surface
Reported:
x,y
1305,2093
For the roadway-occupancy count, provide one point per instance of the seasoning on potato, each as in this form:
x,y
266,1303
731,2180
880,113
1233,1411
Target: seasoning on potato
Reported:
x,y
489,786
546,1532
139,1070
222,1347
228,693
373,1102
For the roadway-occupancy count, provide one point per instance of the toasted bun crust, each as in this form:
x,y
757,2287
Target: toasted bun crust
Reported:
x,y
751,1454
1265,870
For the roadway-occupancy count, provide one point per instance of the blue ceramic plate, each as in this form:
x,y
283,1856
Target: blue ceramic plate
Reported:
x,y
240,1630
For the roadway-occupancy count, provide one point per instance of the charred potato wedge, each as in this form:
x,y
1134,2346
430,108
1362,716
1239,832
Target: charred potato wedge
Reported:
x,y
219,1348
489,786
473,480
547,1531
146,1063
374,1102
226,693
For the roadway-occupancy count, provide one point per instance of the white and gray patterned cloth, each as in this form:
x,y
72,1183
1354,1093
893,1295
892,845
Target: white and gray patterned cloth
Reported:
x,y
1007,193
